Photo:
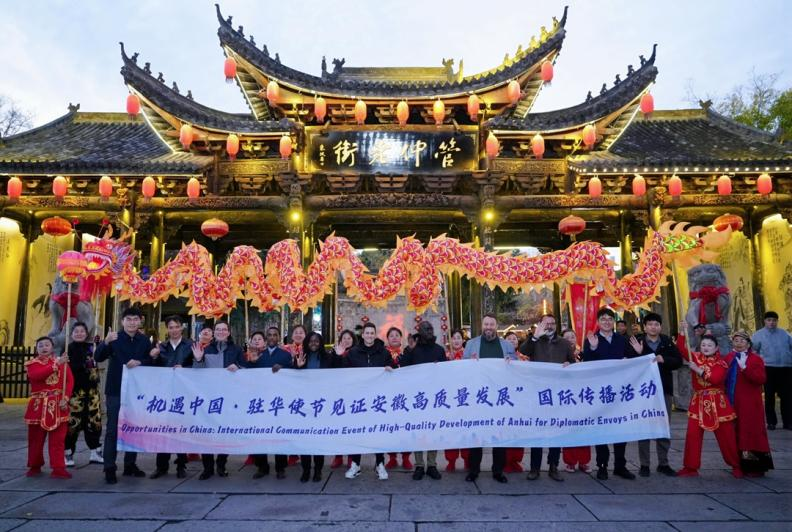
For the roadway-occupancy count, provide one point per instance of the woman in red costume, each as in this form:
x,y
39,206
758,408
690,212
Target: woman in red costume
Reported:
x,y
709,409
455,351
744,387
47,411
394,347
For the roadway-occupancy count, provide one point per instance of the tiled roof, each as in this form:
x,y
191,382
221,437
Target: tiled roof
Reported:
x,y
621,94
331,84
94,143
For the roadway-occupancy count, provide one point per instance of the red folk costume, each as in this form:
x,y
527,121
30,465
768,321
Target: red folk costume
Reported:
x,y
746,377
395,353
709,411
48,413
451,455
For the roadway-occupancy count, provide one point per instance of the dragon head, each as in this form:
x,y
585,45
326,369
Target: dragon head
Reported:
x,y
105,258
689,246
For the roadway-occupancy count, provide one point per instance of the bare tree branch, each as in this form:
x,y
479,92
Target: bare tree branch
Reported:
x,y
12,118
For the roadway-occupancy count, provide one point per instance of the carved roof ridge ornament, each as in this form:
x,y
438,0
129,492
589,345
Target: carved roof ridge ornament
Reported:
x,y
330,85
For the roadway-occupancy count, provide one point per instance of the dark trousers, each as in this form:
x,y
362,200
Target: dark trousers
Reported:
x,y
498,460
113,403
281,461
318,462
85,416
209,461
163,461
779,382
380,458
553,456
603,455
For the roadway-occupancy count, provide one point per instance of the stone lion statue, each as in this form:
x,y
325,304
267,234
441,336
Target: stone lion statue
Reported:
x,y
709,303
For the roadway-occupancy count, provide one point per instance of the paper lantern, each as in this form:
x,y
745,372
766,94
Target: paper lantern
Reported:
x,y
402,112
149,187
56,226
360,112
60,186
273,92
133,105
639,185
547,71
595,187
538,146
589,136
725,221
438,112
320,109
492,146
724,185
14,188
232,146
647,104
71,266
285,146
675,186
105,187
764,184
571,225
214,228
229,69
473,107
193,188
513,91
186,136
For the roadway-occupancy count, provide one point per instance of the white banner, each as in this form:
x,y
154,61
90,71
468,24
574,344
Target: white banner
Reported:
x,y
460,404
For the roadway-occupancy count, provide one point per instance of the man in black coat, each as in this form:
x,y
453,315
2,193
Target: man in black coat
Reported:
x,y
668,359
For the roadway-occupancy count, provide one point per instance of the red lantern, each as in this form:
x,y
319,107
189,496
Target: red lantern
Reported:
x,y
589,136
724,185
492,145
438,112
320,109
60,187
675,186
285,146
572,225
149,187
473,107
360,112
105,187
764,184
186,136
133,105
71,266
230,69
725,221
647,104
547,71
56,226
273,92
232,146
214,228
639,185
538,146
402,112
193,188
513,92
14,188
595,187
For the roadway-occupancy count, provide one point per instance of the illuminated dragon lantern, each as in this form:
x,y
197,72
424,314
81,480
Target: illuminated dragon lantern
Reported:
x,y
413,268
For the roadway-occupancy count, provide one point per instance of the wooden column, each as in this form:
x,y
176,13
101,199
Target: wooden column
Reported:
x,y
625,243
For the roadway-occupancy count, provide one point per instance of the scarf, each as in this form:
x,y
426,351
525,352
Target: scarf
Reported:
x,y
62,299
731,378
709,295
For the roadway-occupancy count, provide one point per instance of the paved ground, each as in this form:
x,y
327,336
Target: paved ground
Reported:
x,y
715,501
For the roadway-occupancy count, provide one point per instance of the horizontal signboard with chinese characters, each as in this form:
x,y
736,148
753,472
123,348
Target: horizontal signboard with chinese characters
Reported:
x,y
369,151
448,405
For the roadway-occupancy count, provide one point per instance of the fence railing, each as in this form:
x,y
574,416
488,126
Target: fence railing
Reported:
x,y
13,377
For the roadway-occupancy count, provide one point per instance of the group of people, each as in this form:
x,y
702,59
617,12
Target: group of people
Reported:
x,y
727,398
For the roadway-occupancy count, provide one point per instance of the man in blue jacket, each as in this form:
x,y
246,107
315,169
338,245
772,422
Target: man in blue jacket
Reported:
x,y
128,348
607,344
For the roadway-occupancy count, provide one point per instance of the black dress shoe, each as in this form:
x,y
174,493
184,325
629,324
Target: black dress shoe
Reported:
x,y
280,475
602,473
221,471
317,475
500,477
261,472
666,470
306,475
110,477
158,473
133,471
205,474
644,471
181,472
433,473
418,474
471,477
624,473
